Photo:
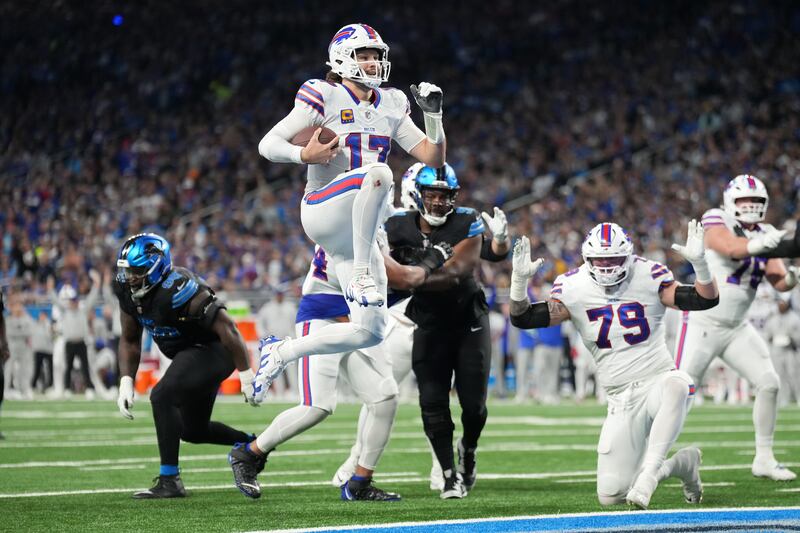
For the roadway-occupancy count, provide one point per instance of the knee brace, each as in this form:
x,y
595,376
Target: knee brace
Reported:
x,y
388,387
676,387
437,422
769,382
610,489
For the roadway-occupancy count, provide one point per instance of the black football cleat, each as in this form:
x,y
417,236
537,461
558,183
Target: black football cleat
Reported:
x,y
246,466
165,487
364,490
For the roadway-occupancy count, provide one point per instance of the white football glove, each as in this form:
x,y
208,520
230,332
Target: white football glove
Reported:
x,y
523,269
246,378
792,276
125,398
498,224
765,242
695,251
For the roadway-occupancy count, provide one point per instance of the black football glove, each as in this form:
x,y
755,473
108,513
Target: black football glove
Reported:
x,y
435,256
428,97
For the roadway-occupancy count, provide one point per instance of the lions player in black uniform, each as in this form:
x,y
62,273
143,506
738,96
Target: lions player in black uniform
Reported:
x,y
191,328
5,353
451,315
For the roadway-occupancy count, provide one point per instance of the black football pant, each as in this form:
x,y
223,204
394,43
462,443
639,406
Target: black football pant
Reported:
x,y
183,399
43,367
72,350
438,354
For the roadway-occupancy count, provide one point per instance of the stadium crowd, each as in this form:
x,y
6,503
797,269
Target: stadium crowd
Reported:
x,y
148,117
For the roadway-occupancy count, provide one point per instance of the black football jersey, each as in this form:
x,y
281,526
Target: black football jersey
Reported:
x,y
163,311
449,308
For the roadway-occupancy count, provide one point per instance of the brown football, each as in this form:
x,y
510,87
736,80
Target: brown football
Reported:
x,y
303,136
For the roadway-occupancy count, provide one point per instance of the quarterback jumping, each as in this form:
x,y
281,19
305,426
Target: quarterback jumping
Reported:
x,y
349,181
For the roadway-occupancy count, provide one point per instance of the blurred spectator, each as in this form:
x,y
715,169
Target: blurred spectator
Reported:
x,y
42,344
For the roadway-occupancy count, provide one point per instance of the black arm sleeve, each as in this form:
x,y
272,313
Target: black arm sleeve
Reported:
x,y
533,316
488,254
204,311
687,299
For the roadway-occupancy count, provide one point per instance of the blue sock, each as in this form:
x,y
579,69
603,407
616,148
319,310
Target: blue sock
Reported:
x,y
358,478
168,470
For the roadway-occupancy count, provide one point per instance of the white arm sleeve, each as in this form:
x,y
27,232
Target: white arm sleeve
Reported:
x,y
408,135
275,145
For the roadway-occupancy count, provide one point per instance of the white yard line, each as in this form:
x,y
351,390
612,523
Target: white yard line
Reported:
x,y
388,477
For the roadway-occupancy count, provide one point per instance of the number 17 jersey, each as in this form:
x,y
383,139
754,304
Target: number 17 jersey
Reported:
x,y
622,326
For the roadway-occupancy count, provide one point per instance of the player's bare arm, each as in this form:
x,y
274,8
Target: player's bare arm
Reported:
x,y
723,241
466,256
130,345
782,278
223,326
704,294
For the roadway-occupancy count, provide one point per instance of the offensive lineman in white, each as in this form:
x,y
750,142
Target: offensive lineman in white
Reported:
x,y
616,301
735,237
349,181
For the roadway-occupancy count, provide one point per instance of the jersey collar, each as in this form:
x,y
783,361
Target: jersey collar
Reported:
x,y
375,96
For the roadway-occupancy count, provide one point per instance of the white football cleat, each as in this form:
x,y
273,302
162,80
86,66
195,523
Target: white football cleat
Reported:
x,y
772,469
363,291
639,495
687,468
270,366
345,472
437,477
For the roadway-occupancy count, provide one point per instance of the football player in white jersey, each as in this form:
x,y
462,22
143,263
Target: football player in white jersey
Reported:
x,y
349,181
616,300
735,238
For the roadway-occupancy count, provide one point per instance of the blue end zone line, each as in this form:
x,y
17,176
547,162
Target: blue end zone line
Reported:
x,y
695,519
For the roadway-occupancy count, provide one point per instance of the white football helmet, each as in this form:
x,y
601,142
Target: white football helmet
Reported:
x,y
342,54
409,195
746,186
608,241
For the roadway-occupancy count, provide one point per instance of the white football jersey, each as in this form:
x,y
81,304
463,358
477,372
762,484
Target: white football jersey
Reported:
x,y
765,304
321,277
737,279
622,326
365,129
